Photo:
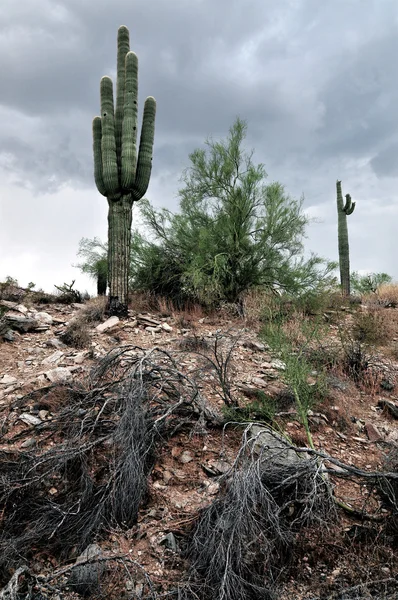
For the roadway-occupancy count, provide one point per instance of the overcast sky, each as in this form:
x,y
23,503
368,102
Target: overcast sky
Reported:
x,y
316,81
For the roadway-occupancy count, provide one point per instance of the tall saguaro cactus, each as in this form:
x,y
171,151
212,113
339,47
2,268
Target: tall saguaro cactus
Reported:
x,y
343,210
121,172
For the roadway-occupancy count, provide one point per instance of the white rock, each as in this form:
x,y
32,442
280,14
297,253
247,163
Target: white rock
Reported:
x,y
53,358
166,327
30,419
43,318
59,374
278,364
108,324
8,380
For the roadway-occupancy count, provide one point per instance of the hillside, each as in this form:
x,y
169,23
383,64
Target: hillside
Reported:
x,y
127,446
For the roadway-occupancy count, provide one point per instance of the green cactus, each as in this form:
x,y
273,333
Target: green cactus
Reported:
x,y
121,172
343,210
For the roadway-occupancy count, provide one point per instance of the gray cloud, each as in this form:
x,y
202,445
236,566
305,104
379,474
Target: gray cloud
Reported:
x,y
316,82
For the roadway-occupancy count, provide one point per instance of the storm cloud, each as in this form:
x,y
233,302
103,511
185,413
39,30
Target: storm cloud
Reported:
x,y
316,82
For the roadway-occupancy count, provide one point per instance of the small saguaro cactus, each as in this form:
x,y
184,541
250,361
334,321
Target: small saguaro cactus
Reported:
x,y
121,172
343,210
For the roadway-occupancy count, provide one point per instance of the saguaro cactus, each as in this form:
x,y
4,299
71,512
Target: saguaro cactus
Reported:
x,y
121,173
343,210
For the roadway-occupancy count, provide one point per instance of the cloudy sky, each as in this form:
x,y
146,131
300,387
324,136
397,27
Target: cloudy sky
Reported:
x,y
316,81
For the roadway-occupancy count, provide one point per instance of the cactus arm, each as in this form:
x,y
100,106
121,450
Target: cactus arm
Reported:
x,y
349,205
144,164
97,135
108,142
123,47
129,131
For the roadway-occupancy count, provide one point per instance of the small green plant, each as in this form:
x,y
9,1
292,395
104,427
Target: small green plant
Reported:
x,y
291,343
262,408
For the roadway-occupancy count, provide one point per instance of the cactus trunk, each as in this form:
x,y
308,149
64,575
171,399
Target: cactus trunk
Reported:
x,y
119,243
121,171
343,210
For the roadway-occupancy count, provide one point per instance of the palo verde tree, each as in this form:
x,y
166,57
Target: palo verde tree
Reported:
x,y
121,172
343,211
233,232
95,262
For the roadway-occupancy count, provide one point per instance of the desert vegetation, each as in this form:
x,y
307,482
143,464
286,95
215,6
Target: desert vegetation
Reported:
x,y
222,423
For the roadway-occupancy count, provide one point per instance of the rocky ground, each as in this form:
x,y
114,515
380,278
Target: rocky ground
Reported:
x,y
354,424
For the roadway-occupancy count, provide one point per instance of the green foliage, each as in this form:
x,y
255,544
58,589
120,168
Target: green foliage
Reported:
x,y
232,233
95,264
262,408
292,346
370,283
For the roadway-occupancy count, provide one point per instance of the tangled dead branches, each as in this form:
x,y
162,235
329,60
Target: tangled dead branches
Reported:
x,y
99,448
245,536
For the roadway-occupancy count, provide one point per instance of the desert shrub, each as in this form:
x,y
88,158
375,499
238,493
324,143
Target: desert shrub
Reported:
x,y
370,327
370,283
61,498
386,296
232,233
262,408
93,311
242,542
291,341
67,295
76,334
356,358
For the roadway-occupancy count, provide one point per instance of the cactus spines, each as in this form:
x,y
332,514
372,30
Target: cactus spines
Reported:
x,y
122,172
344,210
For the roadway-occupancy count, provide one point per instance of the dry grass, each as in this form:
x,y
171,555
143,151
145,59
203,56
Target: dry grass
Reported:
x,y
386,295
76,334
93,311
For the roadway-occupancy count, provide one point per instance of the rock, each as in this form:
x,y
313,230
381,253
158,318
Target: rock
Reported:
x,y
152,330
169,541
80,358
166,327
55,343
20,323
29,443
216,467
43,414
148,321
8,380
278,364
186,457
256,346
53,358
59,374
43,318
259,382
108,324
84,579
248,390
29,419
390,407
373,433
8,336
273,447
14,306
